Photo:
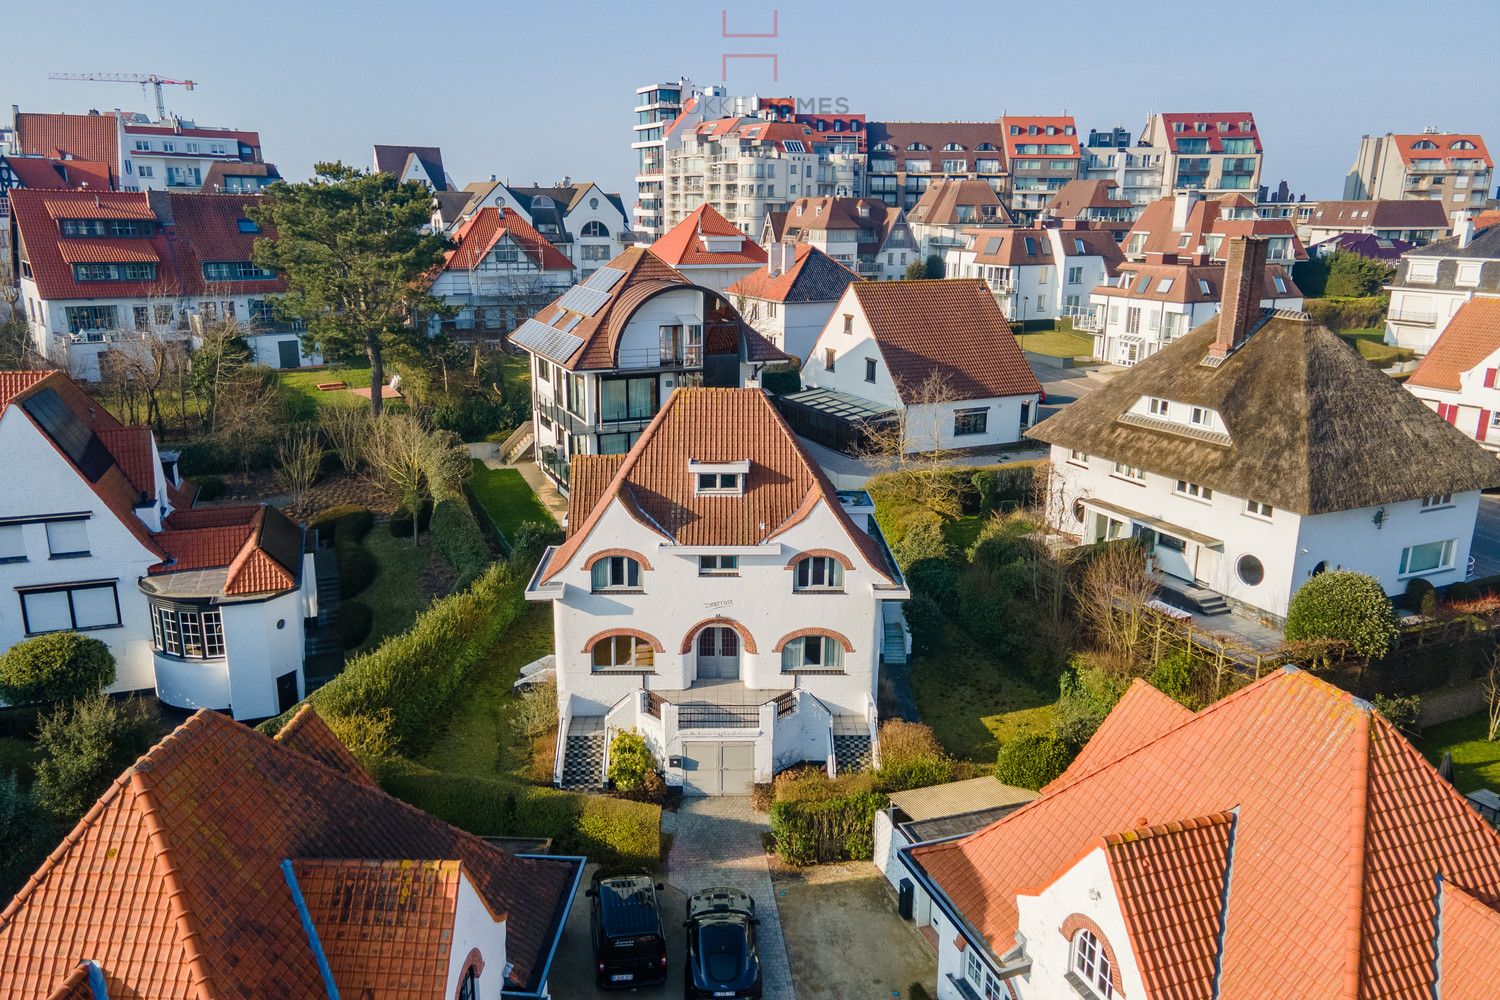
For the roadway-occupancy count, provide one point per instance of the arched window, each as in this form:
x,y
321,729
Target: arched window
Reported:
x,y
594,228
812,652
469,988
623,652
616,573
819,573
1424,144
1462,144
952,147
1091,965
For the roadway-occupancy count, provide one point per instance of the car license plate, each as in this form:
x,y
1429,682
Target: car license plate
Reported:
x,y
724,993
622,977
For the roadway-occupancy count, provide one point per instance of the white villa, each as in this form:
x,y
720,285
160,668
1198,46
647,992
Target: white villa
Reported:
x,y
1257,452
206,607
1433,282
710,249
1460,377
501,272
790,299
716,595
937,355
1038,274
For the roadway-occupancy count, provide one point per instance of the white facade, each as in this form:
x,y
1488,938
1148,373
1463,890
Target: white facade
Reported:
x,y
1128,329
791,326
1034,291
161,158
1448,167
1474,407
500,292
1430,290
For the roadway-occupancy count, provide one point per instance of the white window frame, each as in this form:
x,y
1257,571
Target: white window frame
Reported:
x,y
718,565
1130,472
1437,501
12,543
615,573
808,569
1260,509
829,654
1091,965
56,545
639,650
67,590
1446,548
1193,491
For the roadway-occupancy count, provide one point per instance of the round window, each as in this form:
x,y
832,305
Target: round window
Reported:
x,y
593,203
1078,511
1250,570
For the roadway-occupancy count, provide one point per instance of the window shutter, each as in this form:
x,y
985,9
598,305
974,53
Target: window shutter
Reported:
x,y
1484,423
1489,378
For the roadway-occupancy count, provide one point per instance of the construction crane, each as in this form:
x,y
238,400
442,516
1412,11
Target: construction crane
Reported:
x,y
144,79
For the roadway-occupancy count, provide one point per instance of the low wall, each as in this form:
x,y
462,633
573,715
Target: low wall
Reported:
x,y
1449,703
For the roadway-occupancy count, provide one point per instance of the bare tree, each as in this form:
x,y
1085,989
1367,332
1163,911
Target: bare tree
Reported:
x,y
1111,596
1492,696
299,455
401,455
347,429
908,448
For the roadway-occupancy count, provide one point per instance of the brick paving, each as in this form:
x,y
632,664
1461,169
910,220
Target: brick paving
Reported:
x,y
717,841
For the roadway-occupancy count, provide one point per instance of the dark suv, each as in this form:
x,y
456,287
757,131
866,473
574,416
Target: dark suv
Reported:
x,y
722,960
630,949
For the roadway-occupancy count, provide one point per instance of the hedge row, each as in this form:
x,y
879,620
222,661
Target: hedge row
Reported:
x,y
416,674
459,541
836,829
608,830
1348,314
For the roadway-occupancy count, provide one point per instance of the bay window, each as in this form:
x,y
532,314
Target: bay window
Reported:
x,y
193,632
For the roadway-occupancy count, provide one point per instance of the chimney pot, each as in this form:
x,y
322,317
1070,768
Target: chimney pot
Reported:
x,y
1244,272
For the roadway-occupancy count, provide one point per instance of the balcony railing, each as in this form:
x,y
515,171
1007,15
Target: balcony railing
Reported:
x,y
1413,317
1086,320
688,357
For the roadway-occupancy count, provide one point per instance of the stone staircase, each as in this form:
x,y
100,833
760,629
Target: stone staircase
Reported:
x,y
583,757
1199,599
893,635
851,753
323,647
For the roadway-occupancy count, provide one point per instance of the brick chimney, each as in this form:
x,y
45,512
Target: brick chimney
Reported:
x,y
1244,272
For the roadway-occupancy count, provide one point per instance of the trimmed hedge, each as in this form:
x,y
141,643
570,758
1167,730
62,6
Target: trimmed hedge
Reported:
x,y
836,829
1032,761
458,540
355,621
1348,313
417,673
357,568
608,830
352,520
55,666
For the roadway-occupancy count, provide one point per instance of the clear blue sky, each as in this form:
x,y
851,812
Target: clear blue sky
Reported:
x,y
537,90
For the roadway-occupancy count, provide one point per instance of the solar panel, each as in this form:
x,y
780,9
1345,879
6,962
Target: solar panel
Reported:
x,y
605,278
583,299
72,435
547,341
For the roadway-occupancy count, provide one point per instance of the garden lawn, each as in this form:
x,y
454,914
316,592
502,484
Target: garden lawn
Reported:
x,y
507,498
301,385
1372,346
1058,343
400,590
973,702
1476,761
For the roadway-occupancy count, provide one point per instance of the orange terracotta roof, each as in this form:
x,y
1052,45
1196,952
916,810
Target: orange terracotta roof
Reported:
x,y
107,251
1142,715
1077,195
812,276
1469,945
41,172
133,451
588,477
951,326
259,547
683,245
16,383
88,137
478,234
1170,881
307,733
173,881
1472,335
1042,122
1406,145
1341,830
1207,216
954,201
717,425
78,985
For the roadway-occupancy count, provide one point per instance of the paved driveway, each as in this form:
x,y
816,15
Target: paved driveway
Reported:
x,y
1486,549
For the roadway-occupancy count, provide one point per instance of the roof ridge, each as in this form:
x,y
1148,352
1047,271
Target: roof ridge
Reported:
x,y
1157,830
1359,876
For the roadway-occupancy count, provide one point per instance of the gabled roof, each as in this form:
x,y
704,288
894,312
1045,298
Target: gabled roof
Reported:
x,y
654,484
1472,335
42,173
1483,245
36,216
213,181
1340,829
1205,217
1313,428
394,160
1385,213
683,245
952,327
972,136
1059,123
1077,195
173,882
1189,283
479,234
207,230
941,203
1406,146
1143,714
307,733
86,137
1212,120
1470,940
813,276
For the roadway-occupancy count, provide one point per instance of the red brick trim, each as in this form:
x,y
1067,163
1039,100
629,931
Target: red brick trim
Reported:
x,y
826,632
746,639
1076,922
843,560
606,553
474,961
609,633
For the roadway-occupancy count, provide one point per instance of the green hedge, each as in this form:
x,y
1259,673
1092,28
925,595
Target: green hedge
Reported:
x,y
1348,313
417,673
458,540
351,520
355,621
607,830
836,829
1032,761
357,568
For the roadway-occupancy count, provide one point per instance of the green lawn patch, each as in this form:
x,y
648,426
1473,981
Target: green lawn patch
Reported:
x,y
1058,344
973,702
1372,346
400,590
507,498
301,385
1476,761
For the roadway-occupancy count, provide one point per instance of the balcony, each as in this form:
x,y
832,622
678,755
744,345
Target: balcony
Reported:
x,y
1412,317
1086,320
687,357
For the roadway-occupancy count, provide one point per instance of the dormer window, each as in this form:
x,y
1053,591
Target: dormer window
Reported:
x,y
719,478
1157,407
1201,416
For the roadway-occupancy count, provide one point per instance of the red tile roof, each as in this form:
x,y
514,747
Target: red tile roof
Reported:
x,y
36,214
1185,285
255,544
1042,122
1469,945
1207,216
1143,714
206,227
1341,830
14,384
959,202
87,137
134,451
41,173
1230,119
1406,145
716,425
1472,335
307,733
812,276
683,244
173,881
949,326
477,236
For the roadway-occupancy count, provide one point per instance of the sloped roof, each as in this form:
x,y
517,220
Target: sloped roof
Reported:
x,y
1387,213
36,214
1211,119
173,881
485,228
940,204
1340,830
1077,195
207,227
972,136
948,326
1143,714
213,181
1187,282
1364,244
307,733
1313,427
717,425
393,160
1483,245
683,244
813,276
1470,942
259,548
42,173
1206,216
588,477
1406,145
1472,335
1042,122
87,137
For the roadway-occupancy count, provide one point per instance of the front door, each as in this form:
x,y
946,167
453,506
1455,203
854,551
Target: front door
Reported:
x,y
718,654
291,354
286,690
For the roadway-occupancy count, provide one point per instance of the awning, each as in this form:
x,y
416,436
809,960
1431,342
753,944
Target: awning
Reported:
x,y
1155,523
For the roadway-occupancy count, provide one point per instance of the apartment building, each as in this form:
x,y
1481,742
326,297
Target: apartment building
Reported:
x,y
587,224
1135,169
1454,168
662,111
1213,153
1433,282
1187,224
1043,154
1038,274
950,206
1096,203
864,234
906,157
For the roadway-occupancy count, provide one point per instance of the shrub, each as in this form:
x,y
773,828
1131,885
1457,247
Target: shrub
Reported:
x,y
934,578
400,523
55,666
1088,694
355,622
417,673
916,991
348,519
1353,275
84,745
528,542
210,488
458,540
1405,713
471,417
910,757
631,762
536,709
26,831
1173,677
1420,596
920,537
1343,606
783,382
1032,761
367,737
987,607
924,616
1001,488
837,829
1462,591
1348,313
357,568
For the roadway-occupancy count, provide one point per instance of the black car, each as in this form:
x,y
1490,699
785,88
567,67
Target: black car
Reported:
x,y
630,949
722,960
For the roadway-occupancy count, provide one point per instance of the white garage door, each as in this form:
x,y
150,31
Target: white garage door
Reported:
x,y
718,768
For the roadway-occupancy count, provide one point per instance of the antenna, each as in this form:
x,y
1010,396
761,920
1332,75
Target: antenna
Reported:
x,y
144,79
